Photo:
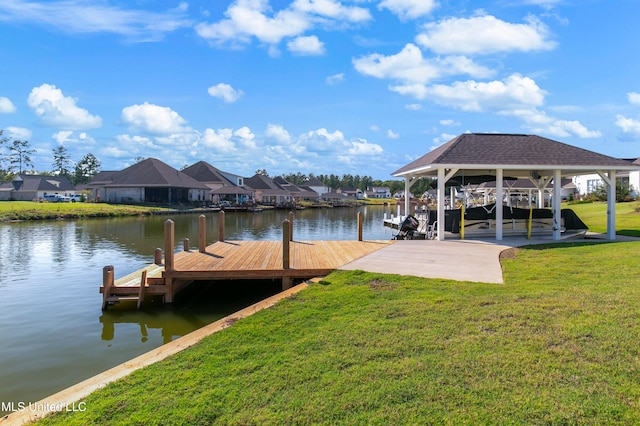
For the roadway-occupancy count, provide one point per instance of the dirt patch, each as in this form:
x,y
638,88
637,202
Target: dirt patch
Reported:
x,y
509,253
378,284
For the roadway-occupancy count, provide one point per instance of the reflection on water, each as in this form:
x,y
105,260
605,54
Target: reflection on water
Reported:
x,y
200,304
52,329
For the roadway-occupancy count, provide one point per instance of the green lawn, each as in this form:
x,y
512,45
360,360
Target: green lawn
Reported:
x,y
29,210
556,344
595,216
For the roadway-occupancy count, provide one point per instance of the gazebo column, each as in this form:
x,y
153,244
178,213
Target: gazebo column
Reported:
x,y
443,177
557,204
610,180
611,206
407,197
499,209
440,212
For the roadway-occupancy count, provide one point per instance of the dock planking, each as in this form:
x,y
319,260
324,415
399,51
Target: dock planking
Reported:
x,y
241,260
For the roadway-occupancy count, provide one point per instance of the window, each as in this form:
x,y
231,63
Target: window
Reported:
x,y
592,184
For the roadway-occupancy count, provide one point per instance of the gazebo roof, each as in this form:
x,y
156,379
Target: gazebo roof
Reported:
x,y
518,155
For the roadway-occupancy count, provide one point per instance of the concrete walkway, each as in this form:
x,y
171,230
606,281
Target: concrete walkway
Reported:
x,y
461,260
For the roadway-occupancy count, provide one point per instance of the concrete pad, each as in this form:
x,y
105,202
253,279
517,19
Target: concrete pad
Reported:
x,y
461,260
474,260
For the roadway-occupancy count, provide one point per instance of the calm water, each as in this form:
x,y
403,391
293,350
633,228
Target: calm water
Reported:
x,y
53,332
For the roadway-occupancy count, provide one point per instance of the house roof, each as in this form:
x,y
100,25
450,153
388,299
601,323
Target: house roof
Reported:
x,y
519,154
205,172
42,183
314,181
259,181
151,172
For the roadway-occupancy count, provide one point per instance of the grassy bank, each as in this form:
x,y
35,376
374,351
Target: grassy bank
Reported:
x,y
595,216
29,210
556,344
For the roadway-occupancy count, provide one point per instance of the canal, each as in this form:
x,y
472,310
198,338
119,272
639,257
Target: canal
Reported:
x,y
53,332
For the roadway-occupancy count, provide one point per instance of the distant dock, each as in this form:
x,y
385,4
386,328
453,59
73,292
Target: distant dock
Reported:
x,y
287,260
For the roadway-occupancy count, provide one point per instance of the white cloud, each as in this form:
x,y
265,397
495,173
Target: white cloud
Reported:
x,y
539,122
18,133
6,106
220,141
392,135
246,137
248,19
515,92
362,147
449,122
444,137
306,46
75,16
278,133
225,92
409,9
628,125
413,107
55,109
335,79
62,136
410,67
634,98
322,140
154,119
484,35
67,136
332,9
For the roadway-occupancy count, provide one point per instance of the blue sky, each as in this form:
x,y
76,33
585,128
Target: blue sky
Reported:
x,y
314,86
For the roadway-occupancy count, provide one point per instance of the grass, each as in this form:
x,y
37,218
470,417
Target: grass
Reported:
x,y
595,216
556,344
29,210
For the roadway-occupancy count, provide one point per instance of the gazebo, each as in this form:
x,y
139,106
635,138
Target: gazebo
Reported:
x,y
497,156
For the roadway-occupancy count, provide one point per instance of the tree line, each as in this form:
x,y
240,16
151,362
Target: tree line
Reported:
x,y
354,181
15,158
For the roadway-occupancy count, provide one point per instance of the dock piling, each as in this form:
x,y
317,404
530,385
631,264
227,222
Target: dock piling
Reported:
x,y
291,216
286,253
157,256
169,244
202,233
185,244
359,226
221,226
107,283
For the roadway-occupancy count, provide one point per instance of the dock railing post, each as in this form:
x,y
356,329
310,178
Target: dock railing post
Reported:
x,y
291,216
157,256
285,243
107,283
168,245
221,226
202,233
286,228
359,226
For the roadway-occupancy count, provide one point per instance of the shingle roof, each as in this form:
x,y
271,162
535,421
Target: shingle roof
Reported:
x,y
511,150
205,172
153,172
43,183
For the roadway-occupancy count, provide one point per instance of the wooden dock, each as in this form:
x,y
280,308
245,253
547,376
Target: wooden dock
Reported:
x,y
286,260
236,260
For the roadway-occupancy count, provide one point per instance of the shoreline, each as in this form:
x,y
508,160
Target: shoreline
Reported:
x,y
69,399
